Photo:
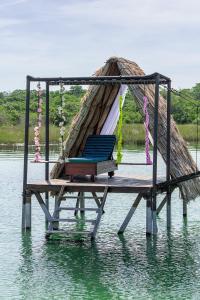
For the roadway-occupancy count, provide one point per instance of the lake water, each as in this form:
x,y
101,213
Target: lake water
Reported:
x,y
113,267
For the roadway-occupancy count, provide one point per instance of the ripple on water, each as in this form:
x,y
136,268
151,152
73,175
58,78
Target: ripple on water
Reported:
x,y
114,267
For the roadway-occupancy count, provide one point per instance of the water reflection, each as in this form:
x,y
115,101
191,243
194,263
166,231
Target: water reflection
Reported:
x,y
126,267
162,267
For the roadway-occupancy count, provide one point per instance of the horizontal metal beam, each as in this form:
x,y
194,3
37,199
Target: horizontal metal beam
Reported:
x,y
175,181
101,80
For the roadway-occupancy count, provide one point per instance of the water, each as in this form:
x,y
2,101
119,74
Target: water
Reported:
x,y
113,267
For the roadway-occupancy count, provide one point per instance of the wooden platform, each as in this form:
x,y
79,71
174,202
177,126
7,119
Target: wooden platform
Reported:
x,y
103,185
117,184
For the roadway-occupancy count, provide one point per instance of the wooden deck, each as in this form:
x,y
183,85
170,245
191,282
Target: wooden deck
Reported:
x,y
103,185
117,184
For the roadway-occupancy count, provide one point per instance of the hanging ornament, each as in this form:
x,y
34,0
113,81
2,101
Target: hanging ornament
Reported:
x,y
37,156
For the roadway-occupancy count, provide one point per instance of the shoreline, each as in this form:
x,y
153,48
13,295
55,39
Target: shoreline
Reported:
x,y
133,135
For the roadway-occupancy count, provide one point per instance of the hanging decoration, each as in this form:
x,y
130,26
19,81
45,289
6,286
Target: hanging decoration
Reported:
x,y
119,129
146,124
62,118
37,156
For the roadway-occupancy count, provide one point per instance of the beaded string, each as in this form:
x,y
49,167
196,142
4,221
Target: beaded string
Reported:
x,y
37,156
62,118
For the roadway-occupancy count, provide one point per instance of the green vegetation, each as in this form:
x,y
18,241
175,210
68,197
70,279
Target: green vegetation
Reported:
x,y
133,134
12,111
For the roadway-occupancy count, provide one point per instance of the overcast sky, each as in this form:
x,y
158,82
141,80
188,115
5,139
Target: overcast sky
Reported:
x,y
75,37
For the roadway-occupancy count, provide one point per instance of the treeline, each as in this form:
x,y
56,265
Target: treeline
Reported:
x,y
12,106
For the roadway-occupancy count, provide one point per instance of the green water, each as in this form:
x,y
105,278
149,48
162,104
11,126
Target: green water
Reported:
x,y
129,267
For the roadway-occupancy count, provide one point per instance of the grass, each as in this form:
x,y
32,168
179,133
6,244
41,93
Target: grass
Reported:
x,y
132,134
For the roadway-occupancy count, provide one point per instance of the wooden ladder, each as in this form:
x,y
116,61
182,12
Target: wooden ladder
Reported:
x,y
54,219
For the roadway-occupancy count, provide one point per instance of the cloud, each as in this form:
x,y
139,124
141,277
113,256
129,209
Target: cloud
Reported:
x,y
72,38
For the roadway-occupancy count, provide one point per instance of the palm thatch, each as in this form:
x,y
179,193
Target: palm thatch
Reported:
x,y
95,108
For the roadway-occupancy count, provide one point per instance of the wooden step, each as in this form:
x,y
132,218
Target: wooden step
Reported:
x,y
77,209
73,220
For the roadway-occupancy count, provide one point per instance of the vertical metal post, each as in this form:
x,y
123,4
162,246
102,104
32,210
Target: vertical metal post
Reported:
x,y
168,158
155,152
82,203
184,208
148,214
26,138
47,146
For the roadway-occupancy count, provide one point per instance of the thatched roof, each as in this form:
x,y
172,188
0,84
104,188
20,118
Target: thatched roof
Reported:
x,y
95,108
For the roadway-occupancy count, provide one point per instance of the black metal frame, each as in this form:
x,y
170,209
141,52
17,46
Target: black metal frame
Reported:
x,y
155,78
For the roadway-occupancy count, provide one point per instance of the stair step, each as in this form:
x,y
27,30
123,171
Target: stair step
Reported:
x,y
60,231
79,197
78,209
73,220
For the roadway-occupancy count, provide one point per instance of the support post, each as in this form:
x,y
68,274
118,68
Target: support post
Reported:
x,y
168,159
56,214
100,212
77,204
184,208
149,214
82,204
26,212
130,213
155,153
96,199
47,147
26,138
161,205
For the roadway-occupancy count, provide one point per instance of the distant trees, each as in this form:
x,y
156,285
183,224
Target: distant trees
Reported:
x,y
12,106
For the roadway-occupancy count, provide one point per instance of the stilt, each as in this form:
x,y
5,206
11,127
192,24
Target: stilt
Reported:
x,y
47,204
154,215
77,204
96,199
26,211
56,213
149,215
100,212
184,208
130,213
82,204
169,209
161,205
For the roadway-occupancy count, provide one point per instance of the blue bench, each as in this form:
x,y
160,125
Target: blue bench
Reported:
x,y
96,158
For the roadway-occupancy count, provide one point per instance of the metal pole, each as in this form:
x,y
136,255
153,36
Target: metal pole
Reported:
x,y
155,150
47,147
26,138
168,158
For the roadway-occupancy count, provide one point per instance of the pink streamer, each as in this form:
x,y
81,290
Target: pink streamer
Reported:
x,y
146,124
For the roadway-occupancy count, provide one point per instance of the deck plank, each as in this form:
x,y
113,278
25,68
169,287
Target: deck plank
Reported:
x,y
116,184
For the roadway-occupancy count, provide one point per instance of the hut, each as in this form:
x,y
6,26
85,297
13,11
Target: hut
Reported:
x,y
96,106
93,118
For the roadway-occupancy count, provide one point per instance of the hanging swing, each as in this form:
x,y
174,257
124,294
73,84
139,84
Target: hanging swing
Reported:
x,y
119,132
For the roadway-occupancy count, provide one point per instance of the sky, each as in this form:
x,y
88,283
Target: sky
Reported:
x,y
76,37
